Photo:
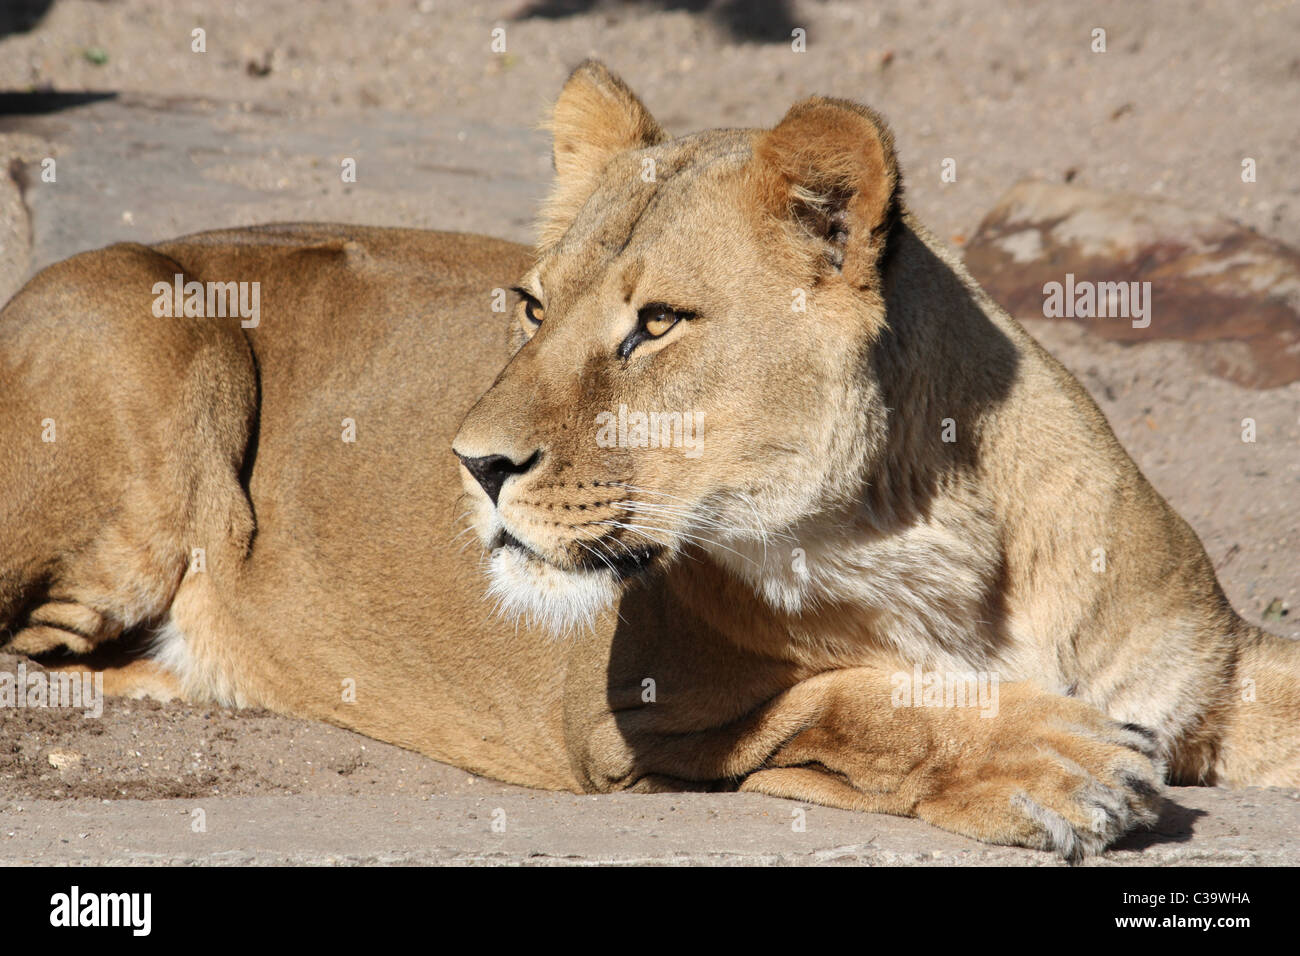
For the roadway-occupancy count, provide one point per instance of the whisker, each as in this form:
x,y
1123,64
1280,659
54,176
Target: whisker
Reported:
x,y
696,539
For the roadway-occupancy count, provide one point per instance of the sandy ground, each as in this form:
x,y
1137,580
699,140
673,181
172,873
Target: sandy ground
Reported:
x,y
444,133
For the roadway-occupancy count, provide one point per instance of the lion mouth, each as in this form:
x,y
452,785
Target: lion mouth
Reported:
x,y
628,564
505,539
624,562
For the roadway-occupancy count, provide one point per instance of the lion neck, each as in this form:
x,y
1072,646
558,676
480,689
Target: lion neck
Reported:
x,y
911,564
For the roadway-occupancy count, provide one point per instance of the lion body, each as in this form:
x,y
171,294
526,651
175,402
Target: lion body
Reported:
x,y
278,505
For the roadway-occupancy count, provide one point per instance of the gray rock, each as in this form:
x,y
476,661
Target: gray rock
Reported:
x,y
144,169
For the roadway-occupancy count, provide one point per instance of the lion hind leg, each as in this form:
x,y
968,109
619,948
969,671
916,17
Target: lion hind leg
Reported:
x,y
123,436
137,679
1260,740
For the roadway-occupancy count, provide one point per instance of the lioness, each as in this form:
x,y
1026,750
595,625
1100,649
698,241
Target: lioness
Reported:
x,y
756,468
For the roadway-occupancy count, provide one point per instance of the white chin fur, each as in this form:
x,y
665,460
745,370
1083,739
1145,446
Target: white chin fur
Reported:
x,y
536,593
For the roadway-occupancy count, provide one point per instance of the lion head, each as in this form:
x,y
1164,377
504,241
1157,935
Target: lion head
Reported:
x,y
692,347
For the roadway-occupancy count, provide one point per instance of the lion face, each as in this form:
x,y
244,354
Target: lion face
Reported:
x,y
693,344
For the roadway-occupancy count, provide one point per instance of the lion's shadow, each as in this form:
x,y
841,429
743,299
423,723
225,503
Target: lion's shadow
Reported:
x,y
745,21
1176,824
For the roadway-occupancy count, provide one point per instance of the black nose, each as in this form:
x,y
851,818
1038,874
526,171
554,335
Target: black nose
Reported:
x,y
491,471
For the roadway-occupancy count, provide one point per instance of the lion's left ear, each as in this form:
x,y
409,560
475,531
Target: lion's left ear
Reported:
x,y
829,169
595,118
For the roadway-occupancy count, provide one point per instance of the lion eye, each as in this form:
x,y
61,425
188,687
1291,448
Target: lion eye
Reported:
x,y
533,310
652,322
658,319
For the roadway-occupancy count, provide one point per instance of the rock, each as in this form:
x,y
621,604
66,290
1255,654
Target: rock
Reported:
x,y
1230,291
149,168
64,759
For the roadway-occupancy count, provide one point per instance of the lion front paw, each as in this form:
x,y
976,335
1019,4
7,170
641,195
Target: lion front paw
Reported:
x,y
1072,784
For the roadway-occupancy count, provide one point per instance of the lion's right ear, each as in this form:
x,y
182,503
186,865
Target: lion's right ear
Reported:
x,y
829,169
595,118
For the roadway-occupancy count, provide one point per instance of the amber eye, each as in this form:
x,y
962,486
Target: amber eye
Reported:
x,y
658,319
652,322
533,310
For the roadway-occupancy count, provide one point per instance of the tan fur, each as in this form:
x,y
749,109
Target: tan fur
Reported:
x,y
654,620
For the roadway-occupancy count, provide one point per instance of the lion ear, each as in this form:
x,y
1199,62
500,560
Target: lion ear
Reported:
x,y
829,168
595,118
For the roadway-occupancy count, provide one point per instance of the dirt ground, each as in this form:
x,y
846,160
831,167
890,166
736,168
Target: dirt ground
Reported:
x,y
444,128
151,784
